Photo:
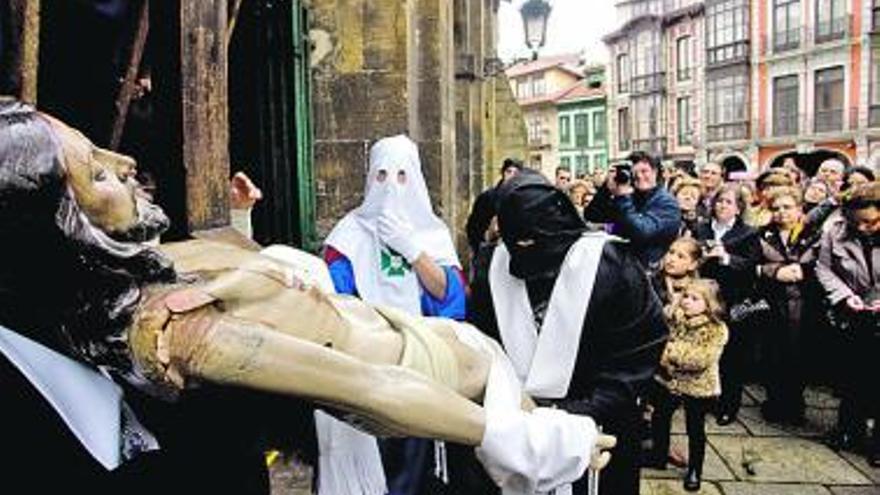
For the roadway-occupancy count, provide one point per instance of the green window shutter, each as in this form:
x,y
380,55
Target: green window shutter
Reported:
x,y
599,128
581,130
565,130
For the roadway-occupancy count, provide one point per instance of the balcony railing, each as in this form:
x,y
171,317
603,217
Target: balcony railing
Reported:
x,y
806,36
727,131
786,40
648,83
833,29
829,120
730,53
822,121
785,124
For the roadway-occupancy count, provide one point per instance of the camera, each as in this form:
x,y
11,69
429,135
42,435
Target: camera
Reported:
x,y
708,245
623,173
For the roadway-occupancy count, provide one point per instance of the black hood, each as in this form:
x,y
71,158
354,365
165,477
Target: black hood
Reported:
x,y
531,209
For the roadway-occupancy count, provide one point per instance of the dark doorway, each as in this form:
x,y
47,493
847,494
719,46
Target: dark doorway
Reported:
x,y
269,120
732,164
809,162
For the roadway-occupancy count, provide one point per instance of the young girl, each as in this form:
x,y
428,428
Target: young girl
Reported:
x,y
677,268
689,373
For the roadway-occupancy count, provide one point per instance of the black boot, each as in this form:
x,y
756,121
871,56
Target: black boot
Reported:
x,y
692,479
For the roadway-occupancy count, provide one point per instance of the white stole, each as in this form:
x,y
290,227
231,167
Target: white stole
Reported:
x,y
545,362
89,403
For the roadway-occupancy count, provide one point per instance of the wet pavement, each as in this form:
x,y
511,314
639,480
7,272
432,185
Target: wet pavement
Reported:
x,y
784,460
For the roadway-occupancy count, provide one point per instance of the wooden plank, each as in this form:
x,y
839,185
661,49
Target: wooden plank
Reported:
x,y
24,17
126,92
205,117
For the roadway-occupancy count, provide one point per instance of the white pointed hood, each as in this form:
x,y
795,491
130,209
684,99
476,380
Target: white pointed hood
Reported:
x,y
355,235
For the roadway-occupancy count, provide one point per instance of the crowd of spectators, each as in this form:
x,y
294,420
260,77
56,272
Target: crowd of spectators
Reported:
x,y
796,260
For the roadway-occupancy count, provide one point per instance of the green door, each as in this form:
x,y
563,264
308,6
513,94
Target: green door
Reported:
x,y
270,118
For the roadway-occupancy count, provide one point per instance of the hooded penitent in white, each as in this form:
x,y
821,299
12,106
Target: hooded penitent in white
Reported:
x,y
383,274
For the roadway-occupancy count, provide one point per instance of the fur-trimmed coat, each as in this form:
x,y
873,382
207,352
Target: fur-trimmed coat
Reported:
x,y
689,365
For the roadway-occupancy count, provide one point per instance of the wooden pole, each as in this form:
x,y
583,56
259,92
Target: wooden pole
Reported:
x,y
126,92
233,17
205,112
24,16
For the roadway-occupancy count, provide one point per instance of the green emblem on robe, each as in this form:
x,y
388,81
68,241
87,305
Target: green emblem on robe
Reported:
x,y
393,264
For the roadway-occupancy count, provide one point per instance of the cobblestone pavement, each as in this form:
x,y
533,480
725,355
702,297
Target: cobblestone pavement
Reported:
x,y
785,460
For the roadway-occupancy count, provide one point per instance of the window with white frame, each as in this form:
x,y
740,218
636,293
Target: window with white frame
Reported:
x,y
727,104
535,129
643,112
624,129
727,30
786,94
647,52
539,86
565,130
829,99
875,77
786,24
582,165
598,128
581,130
523,89
685,125
623,73
684,55
831,20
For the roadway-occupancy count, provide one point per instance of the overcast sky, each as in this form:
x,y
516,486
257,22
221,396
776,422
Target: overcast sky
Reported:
x,y
574,25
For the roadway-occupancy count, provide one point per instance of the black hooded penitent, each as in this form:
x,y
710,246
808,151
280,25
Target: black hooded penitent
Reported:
x,y
531,211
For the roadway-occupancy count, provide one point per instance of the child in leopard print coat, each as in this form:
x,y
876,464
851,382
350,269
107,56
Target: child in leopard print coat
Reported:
x,y
689,373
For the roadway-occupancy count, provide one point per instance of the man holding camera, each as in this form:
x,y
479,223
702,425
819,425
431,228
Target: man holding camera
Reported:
x,y
639,209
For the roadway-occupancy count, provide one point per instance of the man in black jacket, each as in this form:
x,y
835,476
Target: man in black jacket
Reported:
x,y
483,210
616,351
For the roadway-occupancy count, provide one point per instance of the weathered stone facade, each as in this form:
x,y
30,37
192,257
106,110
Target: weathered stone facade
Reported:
x,y
417,67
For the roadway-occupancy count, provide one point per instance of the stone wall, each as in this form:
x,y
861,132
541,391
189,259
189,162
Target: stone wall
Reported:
x,y
383,67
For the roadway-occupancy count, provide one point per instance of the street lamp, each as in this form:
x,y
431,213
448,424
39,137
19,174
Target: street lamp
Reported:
x,y
535,14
